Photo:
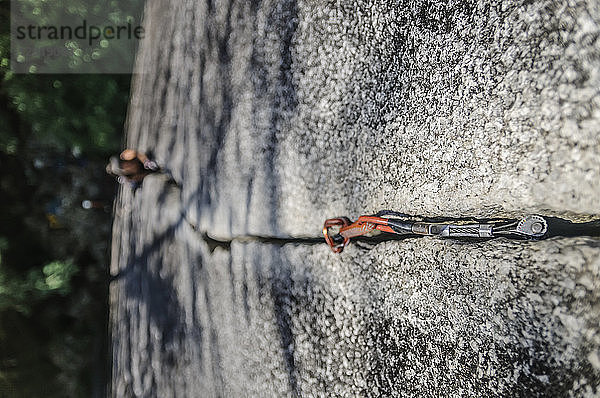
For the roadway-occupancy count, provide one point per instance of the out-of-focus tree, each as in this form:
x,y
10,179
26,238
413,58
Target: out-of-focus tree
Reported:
x,y
56,132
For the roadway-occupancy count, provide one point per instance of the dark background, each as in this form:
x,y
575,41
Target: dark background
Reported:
x,y
56,133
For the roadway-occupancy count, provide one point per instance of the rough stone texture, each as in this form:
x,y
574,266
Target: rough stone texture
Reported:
x,y
275,115
278,107
411,318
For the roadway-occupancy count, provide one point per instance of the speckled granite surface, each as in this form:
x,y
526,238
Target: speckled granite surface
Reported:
x,y
275,115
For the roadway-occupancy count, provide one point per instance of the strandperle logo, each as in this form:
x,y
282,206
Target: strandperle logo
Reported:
x,y
75,36
91,33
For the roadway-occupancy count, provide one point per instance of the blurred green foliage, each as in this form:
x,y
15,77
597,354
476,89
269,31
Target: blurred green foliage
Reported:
x,y
56,132
17,293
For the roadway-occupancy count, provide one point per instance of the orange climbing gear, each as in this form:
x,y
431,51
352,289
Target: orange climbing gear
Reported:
x,y
338,231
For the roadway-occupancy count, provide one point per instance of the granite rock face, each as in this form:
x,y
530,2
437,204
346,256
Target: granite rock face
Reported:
x,y
274,115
